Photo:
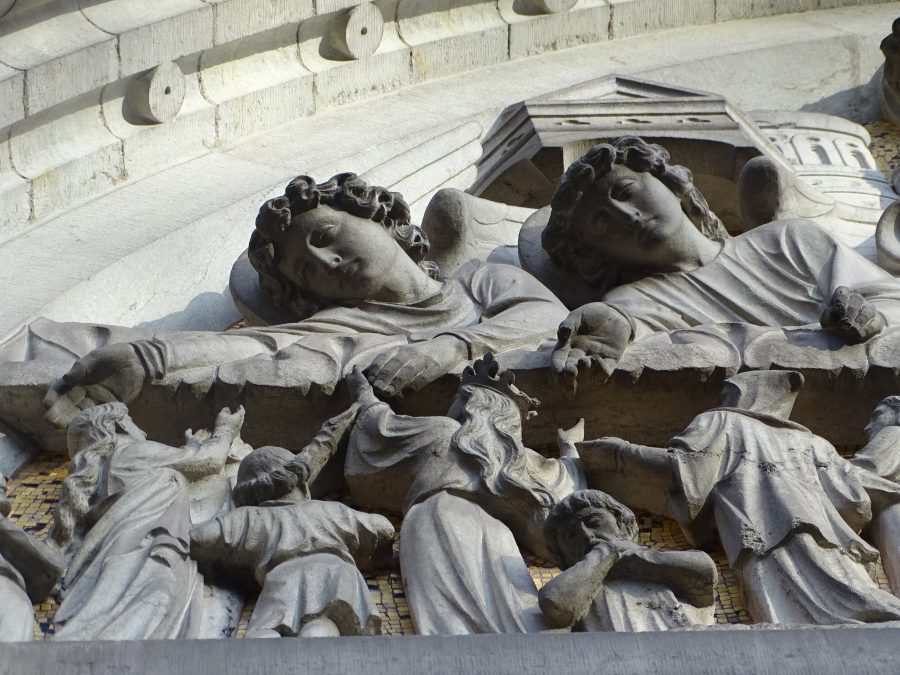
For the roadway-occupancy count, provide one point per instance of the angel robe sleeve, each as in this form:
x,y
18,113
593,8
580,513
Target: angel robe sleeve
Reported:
x,y
780,274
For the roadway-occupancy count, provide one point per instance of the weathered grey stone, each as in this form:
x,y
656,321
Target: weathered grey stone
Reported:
x,y
303,553
371,269
793,652
648,250
786,507
887,239
453,479
889,92
156,96
729,10
29,568
881,456
633,17
129,575
610,583
535,27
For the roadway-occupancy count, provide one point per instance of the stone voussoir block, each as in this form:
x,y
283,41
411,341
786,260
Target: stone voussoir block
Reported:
x,y
730,10
63,53
355,53
534,33
59,80
12,96
636,17
15,204
166,40
446,38
235,19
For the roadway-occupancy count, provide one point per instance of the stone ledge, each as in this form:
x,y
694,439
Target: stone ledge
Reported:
x,y
836,650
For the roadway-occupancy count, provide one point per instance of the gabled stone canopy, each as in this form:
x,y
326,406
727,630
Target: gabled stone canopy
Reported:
x,y
534,141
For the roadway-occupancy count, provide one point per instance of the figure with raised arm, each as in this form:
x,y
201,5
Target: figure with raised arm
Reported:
x,y
305,554
881,456
786,507
610,583
123,521
471,494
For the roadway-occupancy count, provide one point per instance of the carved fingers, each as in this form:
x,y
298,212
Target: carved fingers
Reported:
x,y
300,467
851,316
410,367
566,439
592,337
111,373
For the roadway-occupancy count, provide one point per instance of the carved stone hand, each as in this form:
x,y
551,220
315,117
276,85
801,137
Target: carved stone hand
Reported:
x,y
112,373
411,367
851,316
592,335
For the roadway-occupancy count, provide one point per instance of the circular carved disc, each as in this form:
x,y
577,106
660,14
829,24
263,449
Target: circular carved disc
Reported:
x,y
157,95
361,30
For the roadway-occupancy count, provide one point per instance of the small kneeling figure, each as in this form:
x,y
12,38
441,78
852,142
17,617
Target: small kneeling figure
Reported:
x,y
610,583
304,553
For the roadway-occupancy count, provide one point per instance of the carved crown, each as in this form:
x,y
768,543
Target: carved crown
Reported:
x,y
486,373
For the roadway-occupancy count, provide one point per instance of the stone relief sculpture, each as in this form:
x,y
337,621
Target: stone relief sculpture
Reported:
x,y
139,521
881,456
471,493
786,507
346,259
889,92
303,553
609,582
124,519
29,568
635,228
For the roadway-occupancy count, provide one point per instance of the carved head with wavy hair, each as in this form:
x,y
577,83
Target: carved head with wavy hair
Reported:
x,y
623,211
93,436
581,520
340,242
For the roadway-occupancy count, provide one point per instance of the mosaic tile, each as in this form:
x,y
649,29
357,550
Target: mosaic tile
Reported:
x,y
34,491
885,145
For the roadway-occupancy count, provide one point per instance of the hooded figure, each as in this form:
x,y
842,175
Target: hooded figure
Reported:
x,y
786,507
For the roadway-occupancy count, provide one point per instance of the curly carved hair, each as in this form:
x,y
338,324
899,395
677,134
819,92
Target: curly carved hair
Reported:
x,y
562,238
892,403
264,475
567,512
344,192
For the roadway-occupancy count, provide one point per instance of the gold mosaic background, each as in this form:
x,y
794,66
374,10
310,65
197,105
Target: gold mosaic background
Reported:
x,y
34,491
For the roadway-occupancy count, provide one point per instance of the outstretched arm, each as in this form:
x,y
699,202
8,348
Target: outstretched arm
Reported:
x,y
568,597
691,574
637,475
310,461
202,456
